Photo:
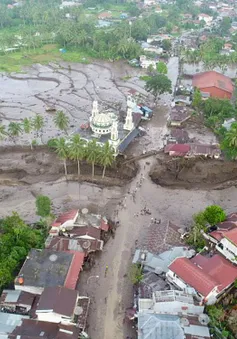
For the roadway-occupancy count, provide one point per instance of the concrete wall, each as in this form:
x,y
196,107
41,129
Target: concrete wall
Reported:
x,y
174,307
229,250
216,92
52,317
30,289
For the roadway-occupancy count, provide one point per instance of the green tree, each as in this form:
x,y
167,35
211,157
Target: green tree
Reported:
x,y
61,121
161,68
214,214
62,151
92,154
229,142
14,129
106,156
16,240
166,44
38,123
135,274
43,206
197,98
77,150
158,85
3,132
27,128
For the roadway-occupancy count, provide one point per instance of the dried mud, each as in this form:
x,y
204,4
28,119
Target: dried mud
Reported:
x,y
196,173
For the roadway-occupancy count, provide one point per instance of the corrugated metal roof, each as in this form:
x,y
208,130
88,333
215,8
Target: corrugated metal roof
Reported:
x,y
159,326
11,295
8,322
127,140
74,270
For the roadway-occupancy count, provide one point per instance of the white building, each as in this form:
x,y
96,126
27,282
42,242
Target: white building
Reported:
x,y
149,2
228,245
170,302
145,63
171,314
205,17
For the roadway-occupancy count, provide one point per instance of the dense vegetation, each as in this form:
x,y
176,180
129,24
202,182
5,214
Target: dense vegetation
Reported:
x,y
214,112
211,216
75,29
16,239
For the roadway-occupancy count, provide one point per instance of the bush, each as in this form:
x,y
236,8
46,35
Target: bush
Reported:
x,y
52,143
43,206
214,214
136,274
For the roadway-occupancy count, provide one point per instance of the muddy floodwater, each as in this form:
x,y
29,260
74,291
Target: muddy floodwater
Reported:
x,y
24,174
67,87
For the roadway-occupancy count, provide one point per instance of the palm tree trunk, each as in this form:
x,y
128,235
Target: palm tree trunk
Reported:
x,y
65,167
93,169
78,168
103,174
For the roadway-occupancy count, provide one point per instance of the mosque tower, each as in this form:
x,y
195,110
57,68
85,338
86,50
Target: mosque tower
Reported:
x,y
129,121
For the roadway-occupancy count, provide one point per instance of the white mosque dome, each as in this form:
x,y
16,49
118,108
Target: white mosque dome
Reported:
x,y
102,120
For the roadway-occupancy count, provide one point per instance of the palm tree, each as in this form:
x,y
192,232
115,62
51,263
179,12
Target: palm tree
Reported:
x,y
77,150
27,128
92,154
3,132
14,129
106,156
61,149
38,123
61,121
231,136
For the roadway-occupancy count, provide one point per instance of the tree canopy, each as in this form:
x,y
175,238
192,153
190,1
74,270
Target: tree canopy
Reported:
x,y
214,214
158,85
16,240
161,68
43,206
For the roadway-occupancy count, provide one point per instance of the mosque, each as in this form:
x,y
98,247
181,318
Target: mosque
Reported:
x,y
106,126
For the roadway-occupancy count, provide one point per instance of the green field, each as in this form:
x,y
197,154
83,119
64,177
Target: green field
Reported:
x,y
15,61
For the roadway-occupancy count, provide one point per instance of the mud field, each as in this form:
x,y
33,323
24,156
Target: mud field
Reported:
x,y
67,87
197,173
24,174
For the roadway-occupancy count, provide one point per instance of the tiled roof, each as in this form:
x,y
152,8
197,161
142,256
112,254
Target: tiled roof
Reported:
x,y
74,270
218,235
213,79
180,148
63,244
232,236
60,300
104,226
203,274
65,217
81,231
193,276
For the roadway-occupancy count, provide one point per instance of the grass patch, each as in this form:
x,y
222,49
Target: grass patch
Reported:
x,y
144,77
128,77
15,61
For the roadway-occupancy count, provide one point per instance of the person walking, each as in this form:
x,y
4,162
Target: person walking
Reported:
x,y
106,270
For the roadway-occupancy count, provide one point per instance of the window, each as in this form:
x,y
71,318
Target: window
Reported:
x,y
99,130
103,131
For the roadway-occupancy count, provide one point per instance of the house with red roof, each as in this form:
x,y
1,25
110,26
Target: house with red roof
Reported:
x,y
75,218
227,244
177,150
207,277
214,84
224,237
64,220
